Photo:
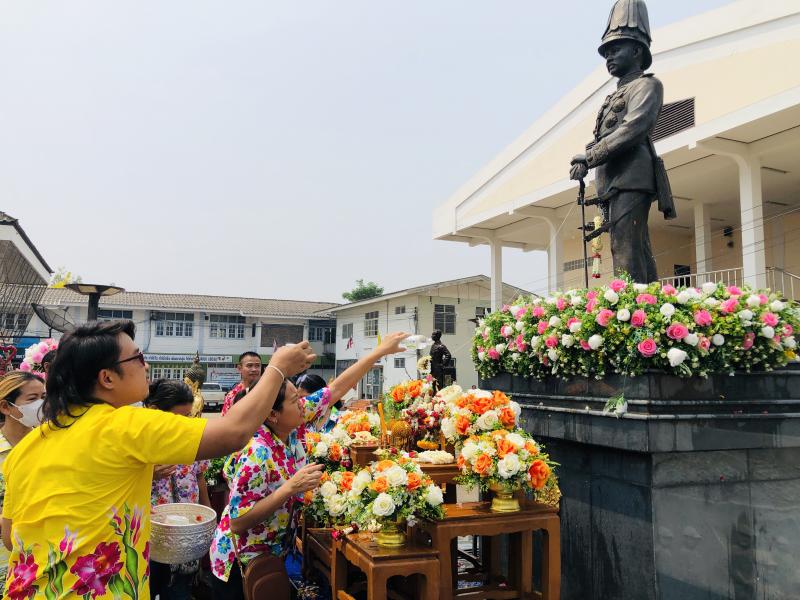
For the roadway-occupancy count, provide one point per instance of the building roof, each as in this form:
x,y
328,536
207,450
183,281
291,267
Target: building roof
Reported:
x,y
508,291
6,219
248,307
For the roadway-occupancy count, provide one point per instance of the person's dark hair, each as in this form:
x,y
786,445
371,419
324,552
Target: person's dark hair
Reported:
x,y
277,407
436,335
166,394
82,354
48,358
310,381
244,355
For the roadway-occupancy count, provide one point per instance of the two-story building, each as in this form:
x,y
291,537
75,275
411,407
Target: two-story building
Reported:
x,y
450,306
171,328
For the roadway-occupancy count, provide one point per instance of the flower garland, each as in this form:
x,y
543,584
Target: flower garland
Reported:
x,y
35,353
404,394
627,328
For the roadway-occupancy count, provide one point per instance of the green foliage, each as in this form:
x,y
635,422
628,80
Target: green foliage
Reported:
x,y
363,291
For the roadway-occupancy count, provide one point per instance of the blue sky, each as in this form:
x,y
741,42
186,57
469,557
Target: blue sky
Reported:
x,y
274,149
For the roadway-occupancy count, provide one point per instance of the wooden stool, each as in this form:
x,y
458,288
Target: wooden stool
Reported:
x,y
380,564
476,518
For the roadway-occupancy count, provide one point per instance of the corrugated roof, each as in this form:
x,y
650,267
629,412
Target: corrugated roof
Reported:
x,y
6,219
256,307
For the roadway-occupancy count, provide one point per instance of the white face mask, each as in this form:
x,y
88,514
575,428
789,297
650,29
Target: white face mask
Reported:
x,y
31,413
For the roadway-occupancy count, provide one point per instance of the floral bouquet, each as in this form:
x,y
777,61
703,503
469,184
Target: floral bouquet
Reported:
x,y
425,417
404,395
332,449
361,426
35,353
479,411
505,461
628,327
337,501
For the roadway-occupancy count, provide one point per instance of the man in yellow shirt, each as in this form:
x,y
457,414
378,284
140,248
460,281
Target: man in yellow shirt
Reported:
x,y
76,515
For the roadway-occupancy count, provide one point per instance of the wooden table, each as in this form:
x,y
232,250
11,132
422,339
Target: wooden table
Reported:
x,y
380,564
476,518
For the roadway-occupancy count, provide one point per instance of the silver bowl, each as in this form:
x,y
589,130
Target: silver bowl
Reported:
x,y
174,543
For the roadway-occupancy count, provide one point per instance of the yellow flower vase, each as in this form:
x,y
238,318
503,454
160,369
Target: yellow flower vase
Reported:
x,y
392,534
504,500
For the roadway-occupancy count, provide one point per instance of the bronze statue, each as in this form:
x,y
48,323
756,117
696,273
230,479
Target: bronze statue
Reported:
x,y
629,174
194,377
440,359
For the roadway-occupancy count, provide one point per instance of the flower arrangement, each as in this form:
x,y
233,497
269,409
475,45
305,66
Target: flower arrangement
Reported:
x,y
627,328
424,364
404,394
359,425
507,459
332,449
35,353
337,501
425,416
476,412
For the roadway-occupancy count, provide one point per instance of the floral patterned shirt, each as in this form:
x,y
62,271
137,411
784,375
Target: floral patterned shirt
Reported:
x,y
79,502
265,464
181,486
229,397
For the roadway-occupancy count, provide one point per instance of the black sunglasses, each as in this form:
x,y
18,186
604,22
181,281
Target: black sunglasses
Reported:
x,y
139,356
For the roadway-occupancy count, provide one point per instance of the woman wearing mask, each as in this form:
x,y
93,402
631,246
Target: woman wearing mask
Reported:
x,y
21,399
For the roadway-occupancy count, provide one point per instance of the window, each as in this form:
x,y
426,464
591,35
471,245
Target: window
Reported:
x,y
347,331
112,315
274,334
400,363
574,265
444,318
326,335
400,310
162,372
482,311
371,324
13,321
226,326
170,324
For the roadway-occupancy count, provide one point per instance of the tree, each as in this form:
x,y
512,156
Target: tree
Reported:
x,y
62,277
363,291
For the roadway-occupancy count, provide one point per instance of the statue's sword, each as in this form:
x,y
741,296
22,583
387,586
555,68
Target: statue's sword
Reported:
x,y
582,204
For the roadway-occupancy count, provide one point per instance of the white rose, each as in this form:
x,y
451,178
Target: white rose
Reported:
x,y
768,332
555,321
481,356
508,466
487,448
640,287
711,302
336,505
552,354
448,428
515,356
746,315
718,339
676,357
516,439
321,450
374,420
550,300
469,451
777,306
692,339
396,476
667,310
364,475
519,326
514,308
709,287
753,301
327,489
623,315
567,340
611,296
595,341
515,408
487,420
576,301
383,506
575,327
790,342
683,297
433,495
337,477
500,348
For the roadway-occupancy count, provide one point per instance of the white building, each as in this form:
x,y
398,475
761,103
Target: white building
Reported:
x,y
171,328
451,306
729,135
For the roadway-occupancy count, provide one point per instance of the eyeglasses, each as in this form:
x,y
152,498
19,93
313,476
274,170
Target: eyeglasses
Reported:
x,y
139,356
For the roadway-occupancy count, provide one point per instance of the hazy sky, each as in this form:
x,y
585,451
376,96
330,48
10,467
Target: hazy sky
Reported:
x,y
274,149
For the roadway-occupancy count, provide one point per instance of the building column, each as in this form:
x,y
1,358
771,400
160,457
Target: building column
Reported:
x,y
555,260
702,238
778,240
496,274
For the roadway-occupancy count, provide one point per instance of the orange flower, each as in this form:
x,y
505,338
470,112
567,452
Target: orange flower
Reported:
x,y
462,424
460,462
414,481
383,465
325,477
483,464
363,426
415,388
335,452
380,485
313,437
461,402
507,417
531,447
539,473
351,429
347,480
499,433
481,405
398,393
308,497
499,398
504,447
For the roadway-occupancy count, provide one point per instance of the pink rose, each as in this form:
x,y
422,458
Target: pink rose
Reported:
x,y
494,354
763,298
748,341
592,295
677,331
638,318
505,308
520,313
788,330
551,342
591,304
704,343
618,285
647,347
520,341
572,321
541,327
25,367
538,312
702,318
506,331
669,290
512,346
733,290
645,299
561,304
585,345
770,319
37,357
485,335
729,306
604,316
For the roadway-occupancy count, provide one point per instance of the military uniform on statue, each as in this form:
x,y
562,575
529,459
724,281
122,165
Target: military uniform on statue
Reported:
x,y
440,358
629,175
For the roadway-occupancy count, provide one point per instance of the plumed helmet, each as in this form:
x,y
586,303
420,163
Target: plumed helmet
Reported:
x,y
629,21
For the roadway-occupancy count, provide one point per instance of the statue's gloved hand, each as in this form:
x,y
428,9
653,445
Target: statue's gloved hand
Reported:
x,y
580,167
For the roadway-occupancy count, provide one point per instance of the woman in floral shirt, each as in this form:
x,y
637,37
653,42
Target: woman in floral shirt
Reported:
x,y
270,475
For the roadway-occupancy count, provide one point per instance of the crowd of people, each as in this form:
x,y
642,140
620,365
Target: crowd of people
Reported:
x,y
82,465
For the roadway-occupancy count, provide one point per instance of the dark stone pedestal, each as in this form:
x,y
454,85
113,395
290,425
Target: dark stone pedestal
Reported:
x,y
693,494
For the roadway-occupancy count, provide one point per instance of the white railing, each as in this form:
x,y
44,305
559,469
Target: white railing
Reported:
x,y
782,281
725,276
